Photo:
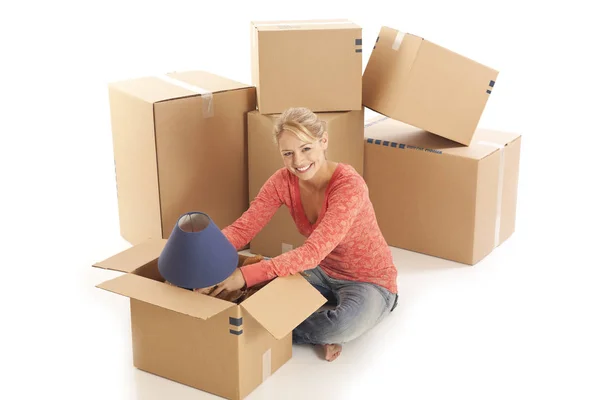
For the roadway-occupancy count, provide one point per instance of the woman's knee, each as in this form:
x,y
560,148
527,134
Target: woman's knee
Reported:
x,y
356,313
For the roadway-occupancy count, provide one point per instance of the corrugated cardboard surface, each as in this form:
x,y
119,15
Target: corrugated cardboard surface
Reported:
x,y
486,202
425,85
197,353
277,309
201,341
278,236
134,257
314,64
436,197
346,135
169,141
256,346
134,150
512,157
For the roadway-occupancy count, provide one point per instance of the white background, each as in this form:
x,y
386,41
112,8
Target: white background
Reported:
x,y
524,323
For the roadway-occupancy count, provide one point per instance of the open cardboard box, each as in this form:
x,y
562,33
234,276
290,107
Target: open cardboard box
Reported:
x,y
214,345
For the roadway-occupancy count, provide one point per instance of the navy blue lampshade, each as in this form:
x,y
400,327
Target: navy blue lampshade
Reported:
x,y
197,254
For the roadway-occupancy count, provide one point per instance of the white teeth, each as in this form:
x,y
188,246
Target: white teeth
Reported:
x,y
304,169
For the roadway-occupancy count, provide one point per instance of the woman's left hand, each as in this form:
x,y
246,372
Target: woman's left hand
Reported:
x,y
234,282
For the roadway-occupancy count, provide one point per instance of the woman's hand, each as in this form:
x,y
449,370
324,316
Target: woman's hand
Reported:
x,y
234,282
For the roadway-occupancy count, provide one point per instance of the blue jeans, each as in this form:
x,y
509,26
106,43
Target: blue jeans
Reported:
x,y
359,306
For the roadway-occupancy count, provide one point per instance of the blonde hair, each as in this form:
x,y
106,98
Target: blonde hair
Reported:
x,y
300,121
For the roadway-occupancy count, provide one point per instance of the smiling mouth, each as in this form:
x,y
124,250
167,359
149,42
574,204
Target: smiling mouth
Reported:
x,y
302,170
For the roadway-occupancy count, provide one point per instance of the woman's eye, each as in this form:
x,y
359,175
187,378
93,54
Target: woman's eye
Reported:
x,y
287,154
306,149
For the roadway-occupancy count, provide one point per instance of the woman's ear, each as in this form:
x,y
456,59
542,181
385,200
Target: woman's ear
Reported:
x,y
324,140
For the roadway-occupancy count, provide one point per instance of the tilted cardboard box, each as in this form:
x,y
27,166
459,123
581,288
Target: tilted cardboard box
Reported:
x,y
412,80
346,136
202,341
315,64
176,138
436,197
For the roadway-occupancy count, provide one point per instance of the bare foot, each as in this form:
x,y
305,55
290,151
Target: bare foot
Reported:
x,y
332,351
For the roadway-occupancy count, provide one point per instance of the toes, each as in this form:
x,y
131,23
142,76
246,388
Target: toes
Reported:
x,y
332,352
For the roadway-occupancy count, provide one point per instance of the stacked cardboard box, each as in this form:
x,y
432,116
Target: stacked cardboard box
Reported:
x,y
176,138
434,196
439,184
313,64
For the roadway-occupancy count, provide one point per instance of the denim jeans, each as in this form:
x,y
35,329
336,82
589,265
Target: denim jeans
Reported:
x,y
359,306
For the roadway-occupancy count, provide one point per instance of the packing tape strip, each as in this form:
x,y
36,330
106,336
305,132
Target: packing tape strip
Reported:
x,y
207,96
500,187
254,38
398,40
266,364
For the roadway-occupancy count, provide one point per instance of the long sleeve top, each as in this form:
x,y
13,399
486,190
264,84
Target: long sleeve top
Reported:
x,y
345,241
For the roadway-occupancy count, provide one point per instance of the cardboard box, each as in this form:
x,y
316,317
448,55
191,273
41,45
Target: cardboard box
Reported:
x,y
436,197
427,86
202,341
171,134
313,64
346,144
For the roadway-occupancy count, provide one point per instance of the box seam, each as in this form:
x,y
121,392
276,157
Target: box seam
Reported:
x,y
473,230
160,207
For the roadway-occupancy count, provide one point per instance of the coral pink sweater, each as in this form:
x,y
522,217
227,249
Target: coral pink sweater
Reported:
x,y
345,240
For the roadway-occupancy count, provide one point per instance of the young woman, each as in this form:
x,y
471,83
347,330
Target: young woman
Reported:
x,y
344,256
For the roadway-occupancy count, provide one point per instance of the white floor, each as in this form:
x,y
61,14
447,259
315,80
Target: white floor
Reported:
x,y
517,325
522,324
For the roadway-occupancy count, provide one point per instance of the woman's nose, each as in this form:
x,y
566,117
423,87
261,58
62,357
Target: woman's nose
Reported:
x,y
298,159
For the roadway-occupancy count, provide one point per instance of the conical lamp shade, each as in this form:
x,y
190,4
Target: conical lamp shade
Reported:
x,y
197,254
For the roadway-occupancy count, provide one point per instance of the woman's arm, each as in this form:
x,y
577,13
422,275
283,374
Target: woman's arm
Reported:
x,y
260,212
344,204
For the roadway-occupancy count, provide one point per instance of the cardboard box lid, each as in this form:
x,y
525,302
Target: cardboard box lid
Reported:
x,y
134,257
283,304
323,24
166,296
174,85
389,132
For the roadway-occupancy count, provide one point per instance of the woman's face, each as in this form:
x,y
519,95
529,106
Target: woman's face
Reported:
x,y
300,158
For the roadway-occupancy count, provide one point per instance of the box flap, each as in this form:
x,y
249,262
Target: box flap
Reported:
x,y
389,132
134,257
210,82
315,24
166,296
283,304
